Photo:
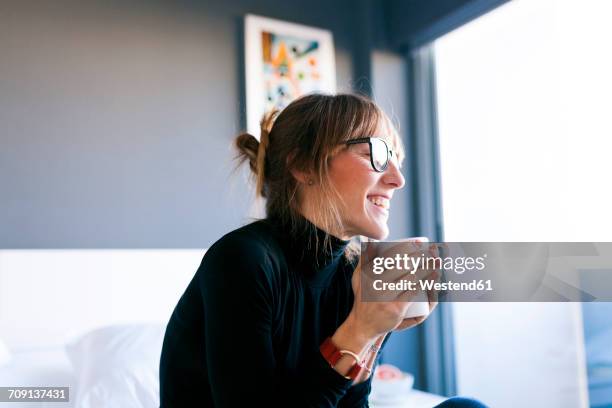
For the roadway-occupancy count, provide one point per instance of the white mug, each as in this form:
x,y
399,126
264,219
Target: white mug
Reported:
x,y
420,303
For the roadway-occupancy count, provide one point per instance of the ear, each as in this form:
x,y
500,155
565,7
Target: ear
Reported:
x,y
300,175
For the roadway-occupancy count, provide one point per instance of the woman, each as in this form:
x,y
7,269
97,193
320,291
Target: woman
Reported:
x,y
273,315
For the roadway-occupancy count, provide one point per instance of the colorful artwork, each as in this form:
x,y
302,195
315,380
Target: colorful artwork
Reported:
x,y
291,68
284,61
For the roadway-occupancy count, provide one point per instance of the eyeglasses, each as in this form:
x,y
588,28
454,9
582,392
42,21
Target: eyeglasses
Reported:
x,y
379,152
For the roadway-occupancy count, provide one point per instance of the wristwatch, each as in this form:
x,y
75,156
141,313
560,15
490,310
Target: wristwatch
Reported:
x,y
332,354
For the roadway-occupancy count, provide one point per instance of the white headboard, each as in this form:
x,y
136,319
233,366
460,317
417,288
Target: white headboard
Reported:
x,y
46,296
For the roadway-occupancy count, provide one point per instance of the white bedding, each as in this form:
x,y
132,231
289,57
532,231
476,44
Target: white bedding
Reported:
x,y
118,366
39,367
114,366
5,355
49,299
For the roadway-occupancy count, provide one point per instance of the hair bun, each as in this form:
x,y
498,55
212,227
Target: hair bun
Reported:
x,y
248,147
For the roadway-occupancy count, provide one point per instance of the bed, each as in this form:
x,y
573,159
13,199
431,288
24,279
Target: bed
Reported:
x,y
94,320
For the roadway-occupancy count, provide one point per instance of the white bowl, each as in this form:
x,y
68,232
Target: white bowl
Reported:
x,y
389,383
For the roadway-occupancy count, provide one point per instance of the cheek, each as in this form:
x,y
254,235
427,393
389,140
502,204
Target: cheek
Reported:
x,y
353,180
353,187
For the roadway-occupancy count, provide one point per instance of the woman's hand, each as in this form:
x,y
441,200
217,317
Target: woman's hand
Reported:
x,y
432,297
369,322
380,317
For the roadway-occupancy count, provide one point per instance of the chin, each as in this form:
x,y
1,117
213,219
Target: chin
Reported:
x,y
379,233
369,226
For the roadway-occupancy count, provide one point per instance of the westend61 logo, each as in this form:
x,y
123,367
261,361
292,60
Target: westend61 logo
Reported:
x,y
487,271
411,263
401,269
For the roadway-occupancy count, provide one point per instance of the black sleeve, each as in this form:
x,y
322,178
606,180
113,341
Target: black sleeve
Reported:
x,y
357,396
239,288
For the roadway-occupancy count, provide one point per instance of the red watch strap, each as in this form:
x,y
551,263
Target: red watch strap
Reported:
x,y
354,371
332,354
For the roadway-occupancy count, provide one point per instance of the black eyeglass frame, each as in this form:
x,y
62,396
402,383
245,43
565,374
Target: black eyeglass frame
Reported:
x,y
368,140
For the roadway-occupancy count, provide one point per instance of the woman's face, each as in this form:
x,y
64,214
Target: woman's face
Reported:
x,y
366,193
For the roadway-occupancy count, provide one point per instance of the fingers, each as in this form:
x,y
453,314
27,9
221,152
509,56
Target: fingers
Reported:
x,y
409,248
405,324
370,251
432,294
409,322
356,282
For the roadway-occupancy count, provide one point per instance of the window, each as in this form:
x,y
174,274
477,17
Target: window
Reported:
x,y
525,138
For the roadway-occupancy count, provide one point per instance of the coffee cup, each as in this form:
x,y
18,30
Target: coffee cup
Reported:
x,y
420,303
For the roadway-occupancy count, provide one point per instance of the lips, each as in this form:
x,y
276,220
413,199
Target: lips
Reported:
x,y
380,201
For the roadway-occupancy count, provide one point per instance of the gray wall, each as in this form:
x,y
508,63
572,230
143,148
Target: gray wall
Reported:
x,y
116,117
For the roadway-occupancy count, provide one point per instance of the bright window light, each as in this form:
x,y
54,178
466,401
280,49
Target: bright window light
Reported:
x,y
524,103
525,140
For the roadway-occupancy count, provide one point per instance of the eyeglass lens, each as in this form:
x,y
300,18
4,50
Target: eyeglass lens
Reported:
x,y
380,154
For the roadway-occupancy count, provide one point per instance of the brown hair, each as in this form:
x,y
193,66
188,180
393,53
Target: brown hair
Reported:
x,y
304,136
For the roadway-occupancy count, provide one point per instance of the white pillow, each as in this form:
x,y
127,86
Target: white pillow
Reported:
x,y
5,356
118,366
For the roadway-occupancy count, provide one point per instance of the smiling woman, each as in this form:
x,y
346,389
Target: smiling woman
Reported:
x,y
334,144
273,316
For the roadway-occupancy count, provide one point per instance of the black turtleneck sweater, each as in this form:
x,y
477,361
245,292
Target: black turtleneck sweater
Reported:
x,y
247,330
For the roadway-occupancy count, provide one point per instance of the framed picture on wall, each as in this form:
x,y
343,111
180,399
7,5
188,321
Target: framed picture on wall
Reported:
x,y
284,61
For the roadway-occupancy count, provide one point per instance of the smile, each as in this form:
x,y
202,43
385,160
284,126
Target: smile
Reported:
x,y
380,201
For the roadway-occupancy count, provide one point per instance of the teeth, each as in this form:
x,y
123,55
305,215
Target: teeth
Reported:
x,y
379,201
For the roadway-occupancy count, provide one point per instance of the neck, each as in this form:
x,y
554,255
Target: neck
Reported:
x,y
311,216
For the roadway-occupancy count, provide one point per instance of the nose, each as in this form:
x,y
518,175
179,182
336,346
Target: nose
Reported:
x,y
393,176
